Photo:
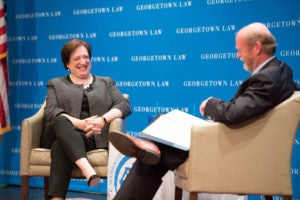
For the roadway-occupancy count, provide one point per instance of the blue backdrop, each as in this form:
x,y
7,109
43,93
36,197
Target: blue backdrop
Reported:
x,y
164,54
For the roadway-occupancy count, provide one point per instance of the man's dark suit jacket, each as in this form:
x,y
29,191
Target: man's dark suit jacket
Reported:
x,y
262,91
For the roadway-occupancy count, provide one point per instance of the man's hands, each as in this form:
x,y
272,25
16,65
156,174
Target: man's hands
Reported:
x,y
202,106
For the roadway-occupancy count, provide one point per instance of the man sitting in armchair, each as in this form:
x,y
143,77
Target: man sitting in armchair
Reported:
x,y
271,82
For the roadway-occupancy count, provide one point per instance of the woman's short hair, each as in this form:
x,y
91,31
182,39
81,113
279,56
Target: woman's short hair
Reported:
x,y
70,47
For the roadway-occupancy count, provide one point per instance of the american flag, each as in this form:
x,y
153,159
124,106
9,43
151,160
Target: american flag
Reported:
x,y
4,106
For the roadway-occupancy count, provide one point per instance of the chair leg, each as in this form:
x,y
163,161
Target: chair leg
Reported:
x,y
178,193
267,197
24,187
193,195
46,187
287,197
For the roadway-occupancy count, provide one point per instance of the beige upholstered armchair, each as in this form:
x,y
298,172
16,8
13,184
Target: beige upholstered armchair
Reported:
x,y
35,161
250,158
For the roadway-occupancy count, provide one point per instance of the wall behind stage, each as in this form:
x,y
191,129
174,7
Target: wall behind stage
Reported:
x,y
166,54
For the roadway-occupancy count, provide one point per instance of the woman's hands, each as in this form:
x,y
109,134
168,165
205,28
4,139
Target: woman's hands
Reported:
x,y
93,125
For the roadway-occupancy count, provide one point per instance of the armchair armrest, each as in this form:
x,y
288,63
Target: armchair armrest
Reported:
x,y
118,124
30,137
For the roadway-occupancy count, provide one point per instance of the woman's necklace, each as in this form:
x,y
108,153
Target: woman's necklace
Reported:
x,y
85,82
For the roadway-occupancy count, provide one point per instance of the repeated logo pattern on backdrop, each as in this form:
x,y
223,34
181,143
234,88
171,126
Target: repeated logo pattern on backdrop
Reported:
x,y
165,54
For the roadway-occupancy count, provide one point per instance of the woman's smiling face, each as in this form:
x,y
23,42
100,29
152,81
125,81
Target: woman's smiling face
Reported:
x,y
79,63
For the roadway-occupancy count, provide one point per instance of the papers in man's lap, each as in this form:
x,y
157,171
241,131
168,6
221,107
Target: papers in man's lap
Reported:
x,y
173,129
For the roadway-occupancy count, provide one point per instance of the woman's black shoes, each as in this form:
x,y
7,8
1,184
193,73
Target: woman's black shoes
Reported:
x,y
94,180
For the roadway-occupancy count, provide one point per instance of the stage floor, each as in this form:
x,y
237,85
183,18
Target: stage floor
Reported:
x,y
12,192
